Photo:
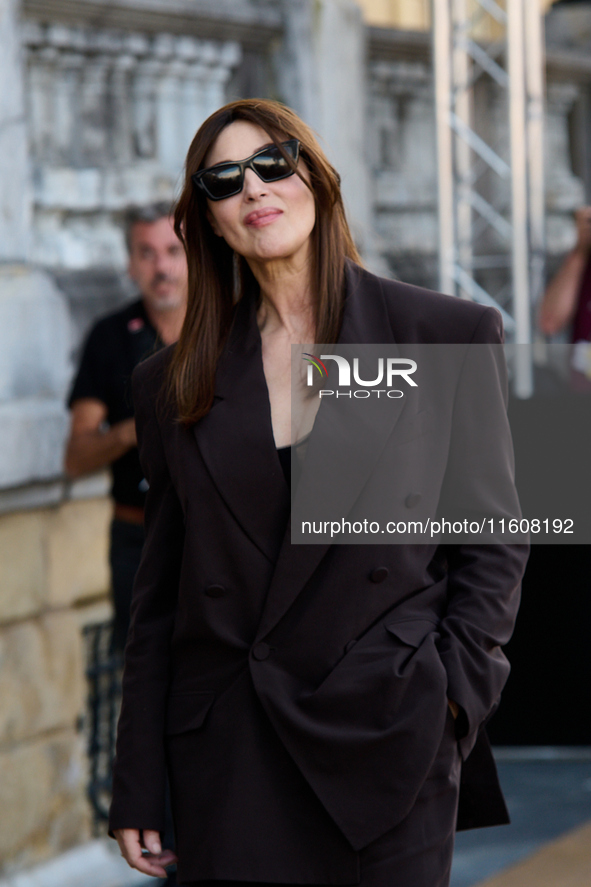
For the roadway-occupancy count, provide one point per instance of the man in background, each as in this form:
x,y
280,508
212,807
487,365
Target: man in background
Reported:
x,y
102,429
568,295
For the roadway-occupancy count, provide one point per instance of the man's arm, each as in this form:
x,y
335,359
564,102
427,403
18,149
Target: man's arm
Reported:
x,y
91,448
560,299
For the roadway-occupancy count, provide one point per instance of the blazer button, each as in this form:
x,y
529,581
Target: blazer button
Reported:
x,y
412,500
260,651
379,574
215,590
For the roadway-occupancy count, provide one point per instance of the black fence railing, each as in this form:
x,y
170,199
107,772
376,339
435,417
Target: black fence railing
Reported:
x,y
103,671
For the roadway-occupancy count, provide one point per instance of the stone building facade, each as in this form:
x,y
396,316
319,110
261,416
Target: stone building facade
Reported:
x,y
98,101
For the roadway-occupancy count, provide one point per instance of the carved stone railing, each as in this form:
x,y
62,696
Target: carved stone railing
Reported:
x,y
111,116
402,153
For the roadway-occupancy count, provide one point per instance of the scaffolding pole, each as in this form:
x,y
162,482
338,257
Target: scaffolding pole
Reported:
x,y
489,86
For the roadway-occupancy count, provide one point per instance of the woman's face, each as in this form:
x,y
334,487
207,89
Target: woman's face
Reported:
x,y
267,221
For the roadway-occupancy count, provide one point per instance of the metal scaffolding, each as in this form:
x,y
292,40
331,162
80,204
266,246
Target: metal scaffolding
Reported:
x,y
489,87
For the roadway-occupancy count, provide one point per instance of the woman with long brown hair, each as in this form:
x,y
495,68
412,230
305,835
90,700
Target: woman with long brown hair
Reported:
x,y
311,705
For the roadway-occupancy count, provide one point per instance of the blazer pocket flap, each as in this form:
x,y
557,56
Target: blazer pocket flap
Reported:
x,y
187,711
412,632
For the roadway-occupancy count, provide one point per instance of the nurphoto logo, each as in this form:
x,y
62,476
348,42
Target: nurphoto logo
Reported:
x,y
391,370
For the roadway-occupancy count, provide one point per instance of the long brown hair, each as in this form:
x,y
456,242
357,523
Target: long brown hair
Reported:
x,y
217,281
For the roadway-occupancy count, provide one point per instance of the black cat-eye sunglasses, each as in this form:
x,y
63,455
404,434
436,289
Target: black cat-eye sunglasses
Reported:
x,y
226,179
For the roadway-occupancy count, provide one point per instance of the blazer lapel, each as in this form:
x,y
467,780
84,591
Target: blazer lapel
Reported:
x,y
365,321
236,438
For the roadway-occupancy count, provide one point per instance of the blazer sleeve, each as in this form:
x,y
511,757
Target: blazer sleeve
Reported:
x,y
484,580
139,771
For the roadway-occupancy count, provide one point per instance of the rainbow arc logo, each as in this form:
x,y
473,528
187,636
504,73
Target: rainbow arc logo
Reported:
x,y
314,361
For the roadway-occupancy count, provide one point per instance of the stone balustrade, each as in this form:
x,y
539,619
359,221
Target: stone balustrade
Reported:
x,y
111,115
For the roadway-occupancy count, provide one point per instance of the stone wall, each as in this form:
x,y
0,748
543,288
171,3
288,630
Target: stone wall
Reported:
x,y
15,216
53,576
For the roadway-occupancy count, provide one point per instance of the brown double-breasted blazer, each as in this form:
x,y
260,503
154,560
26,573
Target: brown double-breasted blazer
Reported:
x,y
297,694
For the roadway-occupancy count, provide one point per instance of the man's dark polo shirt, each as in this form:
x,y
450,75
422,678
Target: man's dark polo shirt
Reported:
x,y
114,347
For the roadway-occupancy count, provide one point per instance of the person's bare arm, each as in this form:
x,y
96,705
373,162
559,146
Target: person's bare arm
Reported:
x,y
89,448
560,299
131,842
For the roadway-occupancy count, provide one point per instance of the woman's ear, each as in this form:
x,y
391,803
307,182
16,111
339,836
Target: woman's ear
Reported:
x,y
213,223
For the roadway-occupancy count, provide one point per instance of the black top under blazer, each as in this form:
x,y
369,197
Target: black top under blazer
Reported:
x,y
289,748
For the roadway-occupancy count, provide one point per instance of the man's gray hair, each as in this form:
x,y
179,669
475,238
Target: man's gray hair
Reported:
x,y
152,212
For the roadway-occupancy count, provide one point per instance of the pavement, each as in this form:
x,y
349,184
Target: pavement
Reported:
x,y
548,843
562,863
548,792
97,863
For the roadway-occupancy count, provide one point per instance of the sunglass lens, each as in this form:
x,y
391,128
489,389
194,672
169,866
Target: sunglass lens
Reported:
x,y
223,182
270,165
